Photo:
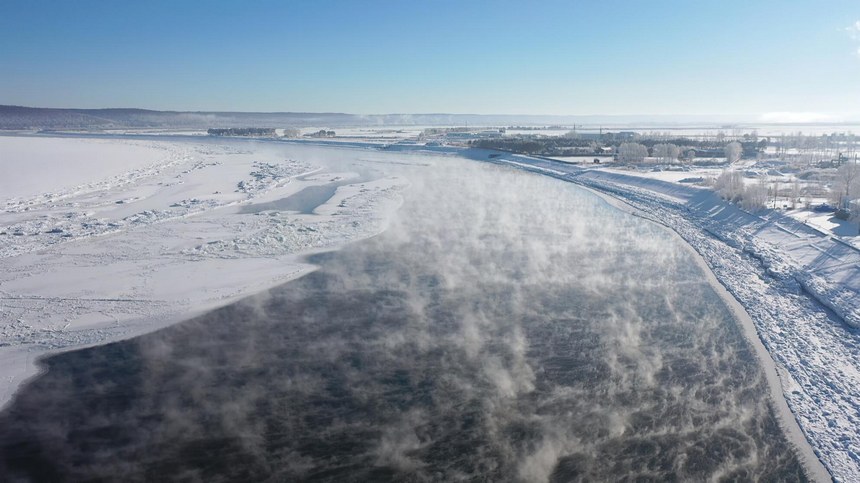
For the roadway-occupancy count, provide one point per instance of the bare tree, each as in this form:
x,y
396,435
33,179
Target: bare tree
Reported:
x,y
776,193
795,194
733,151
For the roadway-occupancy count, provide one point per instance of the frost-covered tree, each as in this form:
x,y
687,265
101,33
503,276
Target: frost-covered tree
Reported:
x,y
291,132
733,151
776,193
632,153
795,194
730,185
754,196
667,153
689,155
854,216
847,184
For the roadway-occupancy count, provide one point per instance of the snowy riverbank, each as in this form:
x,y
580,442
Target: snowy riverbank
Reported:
x,y
799,287
104,239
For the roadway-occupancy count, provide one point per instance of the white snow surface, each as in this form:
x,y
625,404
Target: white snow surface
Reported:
x,y
784,273
103,239
38,166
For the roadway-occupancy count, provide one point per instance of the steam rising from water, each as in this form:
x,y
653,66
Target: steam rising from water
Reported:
x,y
506,327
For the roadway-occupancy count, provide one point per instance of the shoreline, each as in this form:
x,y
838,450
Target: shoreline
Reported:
x,y
295,266
31,357
816,470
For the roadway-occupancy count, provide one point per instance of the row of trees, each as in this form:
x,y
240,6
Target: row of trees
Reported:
x,y
668,152
810,149
632,152
242,131
567,146
546,146
844,192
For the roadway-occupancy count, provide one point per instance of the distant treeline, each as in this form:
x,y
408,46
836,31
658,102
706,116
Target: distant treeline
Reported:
x,y
570,146
548,146
242,131
322,133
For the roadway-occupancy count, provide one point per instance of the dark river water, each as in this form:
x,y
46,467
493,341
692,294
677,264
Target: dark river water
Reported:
x,y
506,327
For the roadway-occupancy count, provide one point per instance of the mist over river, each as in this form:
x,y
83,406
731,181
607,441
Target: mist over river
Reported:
x,y
506,327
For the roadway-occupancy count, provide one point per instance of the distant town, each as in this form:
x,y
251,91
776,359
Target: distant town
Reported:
x,y
786,171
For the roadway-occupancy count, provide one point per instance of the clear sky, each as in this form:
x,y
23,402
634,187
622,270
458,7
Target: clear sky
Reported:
x,y
486,57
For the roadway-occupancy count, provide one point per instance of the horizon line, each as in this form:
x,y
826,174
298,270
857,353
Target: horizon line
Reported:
x,y
817,118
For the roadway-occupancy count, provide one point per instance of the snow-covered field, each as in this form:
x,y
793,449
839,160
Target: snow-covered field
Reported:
x,y
102,239
800,287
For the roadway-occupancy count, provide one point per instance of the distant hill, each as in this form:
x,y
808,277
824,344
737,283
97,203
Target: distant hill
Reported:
x,y
18,117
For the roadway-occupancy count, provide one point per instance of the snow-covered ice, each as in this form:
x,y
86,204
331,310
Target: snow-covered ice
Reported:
x,y
38,166
102,239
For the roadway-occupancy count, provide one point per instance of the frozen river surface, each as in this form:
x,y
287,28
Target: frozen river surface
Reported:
x,y
505,327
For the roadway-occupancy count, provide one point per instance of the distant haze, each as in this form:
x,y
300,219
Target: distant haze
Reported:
x,y
25,118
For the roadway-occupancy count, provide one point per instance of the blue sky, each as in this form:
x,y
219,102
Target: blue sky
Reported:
x,y
557,57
